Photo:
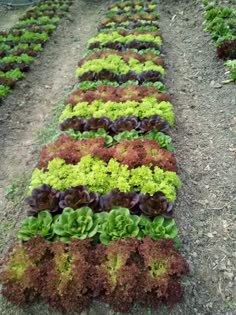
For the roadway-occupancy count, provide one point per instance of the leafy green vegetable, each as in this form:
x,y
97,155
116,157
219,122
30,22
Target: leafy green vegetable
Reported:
x,y
158,228
77,224
147,107
117,224
40,225
117,37
92,85
104,226
4,90
231,65
117,65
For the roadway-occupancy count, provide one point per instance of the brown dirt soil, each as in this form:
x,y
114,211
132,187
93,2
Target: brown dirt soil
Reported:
x,y
204,137
9,16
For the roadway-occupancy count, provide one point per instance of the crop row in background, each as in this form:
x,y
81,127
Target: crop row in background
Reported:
x,y
220,21
20,45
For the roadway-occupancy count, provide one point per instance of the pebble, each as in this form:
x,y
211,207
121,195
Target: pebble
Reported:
x,y
215,85
228,275
210,235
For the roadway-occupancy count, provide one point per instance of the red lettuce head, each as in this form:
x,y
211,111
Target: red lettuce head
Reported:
x,y
163,267
73,123
66,276
44,198
78,197
152,206
121,199
21,272
116,274
153,122
96,123
125,123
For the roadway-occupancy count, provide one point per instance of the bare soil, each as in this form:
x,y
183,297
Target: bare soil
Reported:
x,y
204,137
9,16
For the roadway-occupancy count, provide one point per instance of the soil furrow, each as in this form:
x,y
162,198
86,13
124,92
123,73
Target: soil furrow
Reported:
x,y
204,137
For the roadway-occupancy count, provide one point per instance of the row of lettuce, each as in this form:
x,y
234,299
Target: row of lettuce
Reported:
x,y
20,45
220,21
100,206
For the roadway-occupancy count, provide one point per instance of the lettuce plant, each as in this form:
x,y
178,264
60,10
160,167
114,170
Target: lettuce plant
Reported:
x,y
75,224
65,282
80,196
163,267
116,274
21,270
116,224
158,228
4,90
117,36
93,85
40,225
107,93
44,198
231,65
69,150
117,65
104,226
67,276
133,153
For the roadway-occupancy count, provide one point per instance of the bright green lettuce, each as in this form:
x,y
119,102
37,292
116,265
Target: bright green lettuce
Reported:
x,y
40,225
116,64
117,224
102,177
104,226
114,36
78,224
113,110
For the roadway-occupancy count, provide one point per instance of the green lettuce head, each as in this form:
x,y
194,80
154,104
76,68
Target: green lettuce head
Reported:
x,y
77,224
117,224
40,225
161,228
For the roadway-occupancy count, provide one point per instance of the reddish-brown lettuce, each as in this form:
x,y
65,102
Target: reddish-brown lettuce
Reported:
x,y
78,197
116,274
65,283
69,150
21,271
114,127
44,198
116,94
162,270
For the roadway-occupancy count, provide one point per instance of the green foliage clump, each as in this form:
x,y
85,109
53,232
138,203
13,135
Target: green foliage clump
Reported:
x,y
117,65
113,110
103,227
117,37
102,177
4,90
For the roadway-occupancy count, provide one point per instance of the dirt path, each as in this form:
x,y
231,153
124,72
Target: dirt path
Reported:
x,y
9,16
205,139
25,110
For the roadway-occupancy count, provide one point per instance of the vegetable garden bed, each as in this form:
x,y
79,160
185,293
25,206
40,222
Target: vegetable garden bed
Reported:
x,y
101,199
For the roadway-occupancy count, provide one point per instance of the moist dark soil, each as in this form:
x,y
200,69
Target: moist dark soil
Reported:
x,y
204,137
